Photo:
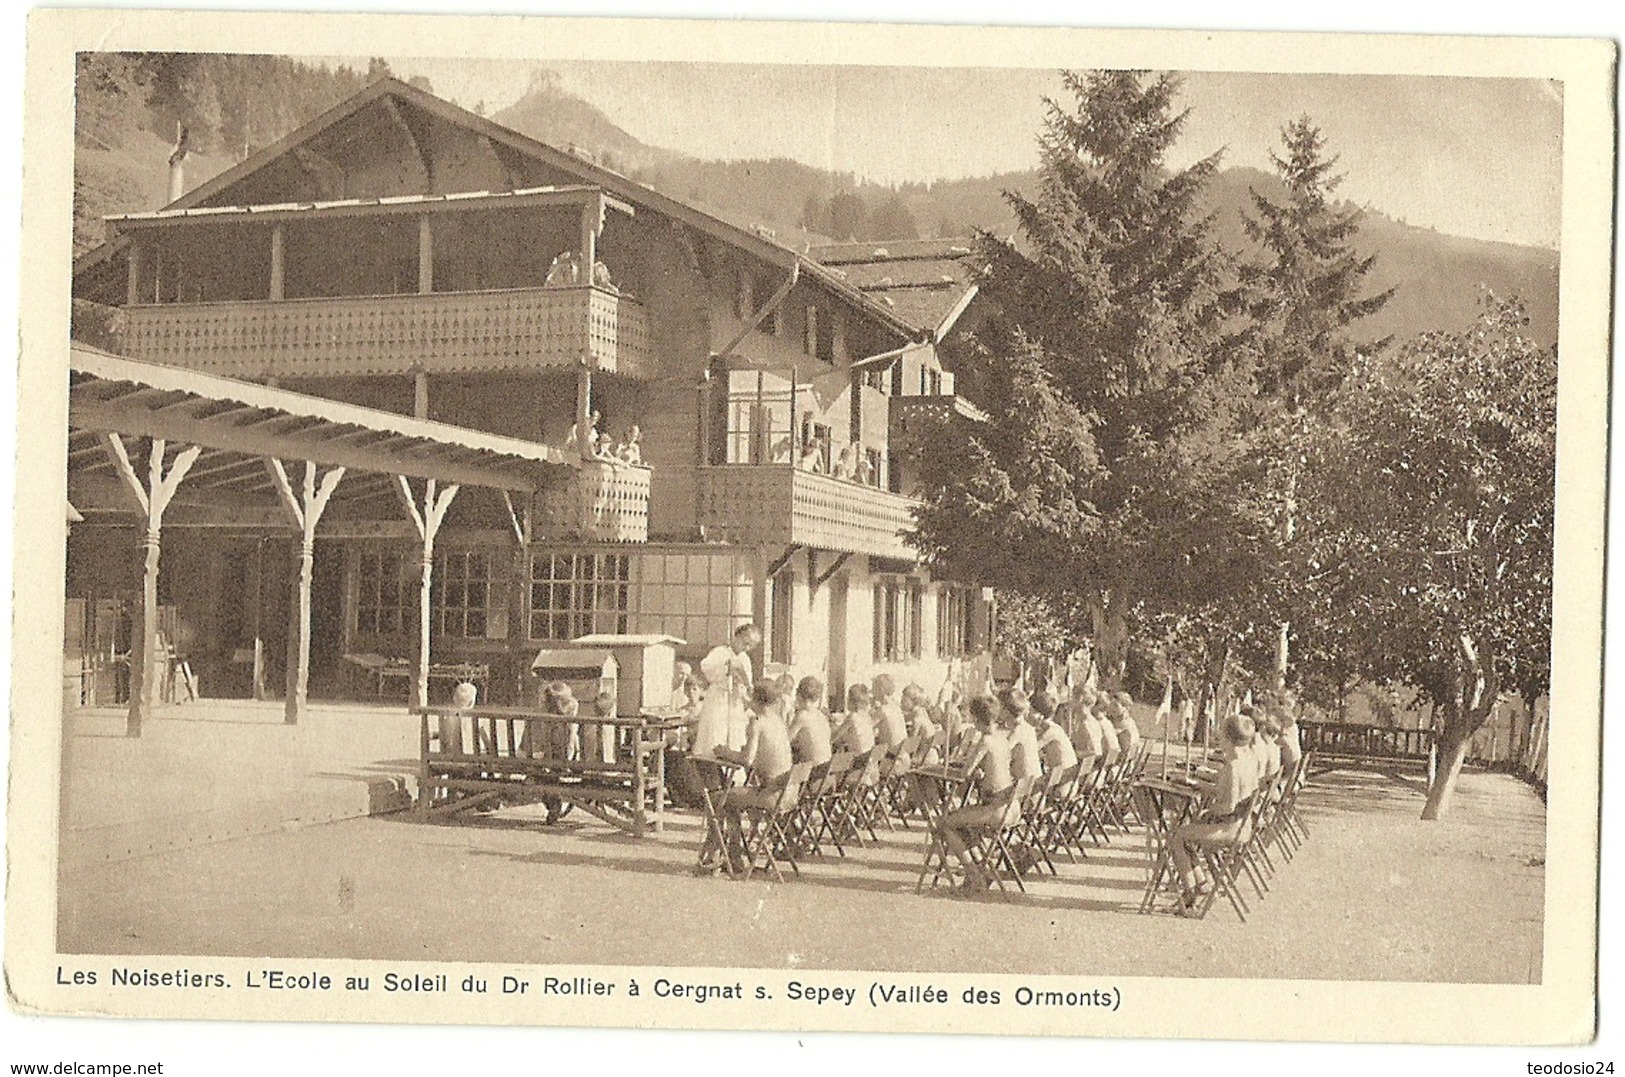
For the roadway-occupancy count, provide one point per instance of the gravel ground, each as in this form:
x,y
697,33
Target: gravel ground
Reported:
x,y
1375,894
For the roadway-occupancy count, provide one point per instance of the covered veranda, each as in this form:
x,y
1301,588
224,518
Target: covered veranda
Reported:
x,y
182,448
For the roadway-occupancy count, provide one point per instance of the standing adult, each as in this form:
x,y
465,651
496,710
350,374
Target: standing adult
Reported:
x,y
724,716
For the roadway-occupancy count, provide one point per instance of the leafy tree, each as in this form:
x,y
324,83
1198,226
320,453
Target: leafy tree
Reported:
x,y
1427,516
1107,479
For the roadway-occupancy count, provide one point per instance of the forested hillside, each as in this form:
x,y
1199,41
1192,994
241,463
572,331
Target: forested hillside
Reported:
x,y
129,106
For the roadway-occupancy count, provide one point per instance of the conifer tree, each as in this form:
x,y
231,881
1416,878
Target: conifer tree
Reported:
x,y
1105,481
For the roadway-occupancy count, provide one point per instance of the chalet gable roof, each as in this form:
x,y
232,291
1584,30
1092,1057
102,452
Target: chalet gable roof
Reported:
x,y
397,99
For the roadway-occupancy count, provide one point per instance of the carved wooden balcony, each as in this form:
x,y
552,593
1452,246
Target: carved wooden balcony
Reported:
x,y
602,502
779,505
445,332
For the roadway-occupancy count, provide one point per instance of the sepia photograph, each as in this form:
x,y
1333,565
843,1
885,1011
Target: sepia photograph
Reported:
x,y
1039,537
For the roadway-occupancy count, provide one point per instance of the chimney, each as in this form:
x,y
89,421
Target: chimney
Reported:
x,y
177,163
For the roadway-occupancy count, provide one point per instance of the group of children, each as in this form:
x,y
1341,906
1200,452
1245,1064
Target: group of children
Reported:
x,y
600,446
1262,752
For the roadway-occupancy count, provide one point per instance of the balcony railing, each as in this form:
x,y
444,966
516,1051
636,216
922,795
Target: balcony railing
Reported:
x,y
446,332
778,505
602,502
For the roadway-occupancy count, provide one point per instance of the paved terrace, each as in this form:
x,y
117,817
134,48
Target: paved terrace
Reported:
x,y
1375,894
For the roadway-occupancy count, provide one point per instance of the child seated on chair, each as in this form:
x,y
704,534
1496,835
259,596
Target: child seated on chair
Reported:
x,y
1023,738
917,715
1055,749
809,725
891,728
1225,802
768,756
1124,727
856,730
990,764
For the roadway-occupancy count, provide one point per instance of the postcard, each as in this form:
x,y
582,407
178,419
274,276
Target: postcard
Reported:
x,y
826,527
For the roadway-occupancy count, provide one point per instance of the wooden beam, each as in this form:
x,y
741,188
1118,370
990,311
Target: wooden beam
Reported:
x,y
251,440
427,521
278,271
161,486
113,445
294,514
425,255
825,576
776,566
419,150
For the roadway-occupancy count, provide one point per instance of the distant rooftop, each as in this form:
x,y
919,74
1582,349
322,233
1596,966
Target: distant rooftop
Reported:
x,y
925,282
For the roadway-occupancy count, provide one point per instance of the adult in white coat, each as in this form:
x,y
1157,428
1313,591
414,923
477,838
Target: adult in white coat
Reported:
x,y
724,715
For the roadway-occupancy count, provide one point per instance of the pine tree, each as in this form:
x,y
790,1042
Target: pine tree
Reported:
x,y
1303,298
1107,478
1299,304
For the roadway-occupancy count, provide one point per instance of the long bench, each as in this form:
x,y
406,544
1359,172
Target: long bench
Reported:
x,y
1383,748
472,757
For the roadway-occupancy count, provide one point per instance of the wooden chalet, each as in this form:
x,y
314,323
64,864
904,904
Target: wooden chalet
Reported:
x,y
337,386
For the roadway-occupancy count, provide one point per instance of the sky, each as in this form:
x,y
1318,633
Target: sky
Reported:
x,y
1475,157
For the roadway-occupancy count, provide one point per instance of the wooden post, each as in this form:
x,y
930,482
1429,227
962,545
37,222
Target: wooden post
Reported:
x,y
420,395
425,255
427,522
592,223
150,499
304,512
278,271
132,287
256,588
583,406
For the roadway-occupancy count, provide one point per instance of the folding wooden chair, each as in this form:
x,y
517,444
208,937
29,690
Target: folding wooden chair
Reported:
x,y
855,803
891,798
802,825
767,836
1055,820
845,769
994,854
1030,844
1226,862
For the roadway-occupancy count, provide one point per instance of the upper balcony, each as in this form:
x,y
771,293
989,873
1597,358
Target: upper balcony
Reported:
x,y
458,283
601,502
437,332
778,505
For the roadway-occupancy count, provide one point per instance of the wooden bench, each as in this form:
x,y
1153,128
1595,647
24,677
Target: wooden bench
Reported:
x,y
1382,748
468,758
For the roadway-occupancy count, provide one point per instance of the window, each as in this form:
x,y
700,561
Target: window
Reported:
x,y
696,596
577,594
898,627
744,298
953,622
809,338
467,600
381,594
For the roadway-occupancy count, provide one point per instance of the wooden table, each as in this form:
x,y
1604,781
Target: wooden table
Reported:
x,y
469,757
1167,805
946,783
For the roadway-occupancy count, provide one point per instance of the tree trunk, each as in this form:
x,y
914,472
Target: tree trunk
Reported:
x,y
1111,639
1452,752
1477,688
1212,685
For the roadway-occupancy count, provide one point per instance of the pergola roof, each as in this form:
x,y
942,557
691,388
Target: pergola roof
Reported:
x,y
239,425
